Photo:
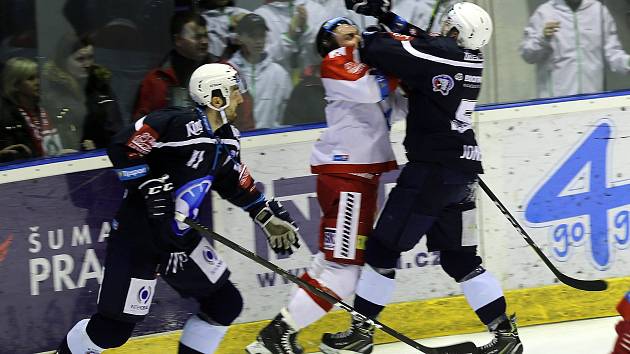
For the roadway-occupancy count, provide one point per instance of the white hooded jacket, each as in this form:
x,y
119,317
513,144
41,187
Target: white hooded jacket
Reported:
x,y
574,59
269,85
277,15
218,23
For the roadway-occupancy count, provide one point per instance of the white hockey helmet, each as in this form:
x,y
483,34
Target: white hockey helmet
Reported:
x,y
473,23
210,78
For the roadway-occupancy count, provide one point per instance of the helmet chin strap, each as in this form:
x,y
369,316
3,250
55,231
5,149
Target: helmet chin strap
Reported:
x,y
223,116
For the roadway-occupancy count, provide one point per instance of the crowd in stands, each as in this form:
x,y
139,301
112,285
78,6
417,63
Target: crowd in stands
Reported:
x,y
117,60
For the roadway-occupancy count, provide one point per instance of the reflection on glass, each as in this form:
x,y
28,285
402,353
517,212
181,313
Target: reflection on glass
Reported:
x,y
573,43
132,57
25,128
78,96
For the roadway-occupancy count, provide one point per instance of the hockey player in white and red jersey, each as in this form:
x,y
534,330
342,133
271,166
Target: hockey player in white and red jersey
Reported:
x,y
622,345
348,159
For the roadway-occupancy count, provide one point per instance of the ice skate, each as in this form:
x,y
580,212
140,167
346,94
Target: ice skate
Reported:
x,y
357,339
506,340
278,337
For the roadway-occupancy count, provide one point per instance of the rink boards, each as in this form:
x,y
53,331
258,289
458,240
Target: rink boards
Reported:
x,y
560,167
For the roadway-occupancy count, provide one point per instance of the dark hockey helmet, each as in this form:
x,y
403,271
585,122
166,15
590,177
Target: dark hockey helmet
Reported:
x,y
325,41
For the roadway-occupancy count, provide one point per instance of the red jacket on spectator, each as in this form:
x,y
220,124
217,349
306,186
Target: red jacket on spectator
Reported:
x,y
161,88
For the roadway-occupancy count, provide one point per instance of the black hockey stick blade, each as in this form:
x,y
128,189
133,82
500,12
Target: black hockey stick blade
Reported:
x,y
461,348
586,285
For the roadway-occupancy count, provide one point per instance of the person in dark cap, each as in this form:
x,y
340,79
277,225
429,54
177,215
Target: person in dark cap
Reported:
x,y
269,83
167,85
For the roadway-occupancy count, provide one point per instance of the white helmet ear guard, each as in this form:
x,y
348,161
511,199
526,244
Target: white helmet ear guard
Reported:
x,y
211,84
472,22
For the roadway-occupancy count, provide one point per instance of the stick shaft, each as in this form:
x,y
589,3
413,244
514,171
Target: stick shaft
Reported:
x,y
587,285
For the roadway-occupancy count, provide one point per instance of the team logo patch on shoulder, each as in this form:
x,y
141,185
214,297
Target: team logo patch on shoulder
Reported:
x,y
443,84
143,139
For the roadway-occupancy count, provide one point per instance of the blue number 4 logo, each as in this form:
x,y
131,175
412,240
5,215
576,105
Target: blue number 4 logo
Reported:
x,y
579,203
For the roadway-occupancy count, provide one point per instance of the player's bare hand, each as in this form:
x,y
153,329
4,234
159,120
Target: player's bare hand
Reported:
x,y
298,22
19,148
88,144
550,28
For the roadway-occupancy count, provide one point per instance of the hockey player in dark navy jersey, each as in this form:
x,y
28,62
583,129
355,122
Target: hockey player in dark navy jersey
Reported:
x,y
435,192
168,162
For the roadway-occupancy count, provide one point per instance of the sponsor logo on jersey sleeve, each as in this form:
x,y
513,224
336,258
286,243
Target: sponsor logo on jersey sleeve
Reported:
x,y
443,84
208,261
134,172
472,81
139,296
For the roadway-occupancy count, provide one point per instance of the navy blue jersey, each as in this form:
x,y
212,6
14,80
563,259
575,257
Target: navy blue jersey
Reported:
x,y
180,143
442,81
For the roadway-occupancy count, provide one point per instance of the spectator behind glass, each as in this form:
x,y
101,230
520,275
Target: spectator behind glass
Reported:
x,y
337,8
292,27
25,130
269,84
420,12
221,17
18,29
168,85
78,97
306,103
572,42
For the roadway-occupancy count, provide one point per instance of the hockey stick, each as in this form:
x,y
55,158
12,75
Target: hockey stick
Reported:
x,y
460,348
434,14
587,285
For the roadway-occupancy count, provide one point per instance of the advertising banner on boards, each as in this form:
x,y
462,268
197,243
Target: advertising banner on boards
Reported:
x,y
53,234
566,178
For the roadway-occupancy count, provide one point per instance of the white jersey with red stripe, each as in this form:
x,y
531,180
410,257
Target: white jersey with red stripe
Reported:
x,y
358,115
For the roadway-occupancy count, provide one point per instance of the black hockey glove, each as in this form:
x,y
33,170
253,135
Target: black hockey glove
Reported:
x,y
158,198
280,228
160,205
375,8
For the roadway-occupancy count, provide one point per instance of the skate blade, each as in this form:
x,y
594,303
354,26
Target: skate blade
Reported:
x,y
257,348
328,350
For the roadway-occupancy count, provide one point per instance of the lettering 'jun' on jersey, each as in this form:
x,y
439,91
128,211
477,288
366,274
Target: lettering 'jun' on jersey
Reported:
x,y
470,152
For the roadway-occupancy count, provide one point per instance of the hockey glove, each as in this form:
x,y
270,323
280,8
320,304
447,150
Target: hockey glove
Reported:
x,y
375,8
158,198
277,224
161,211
